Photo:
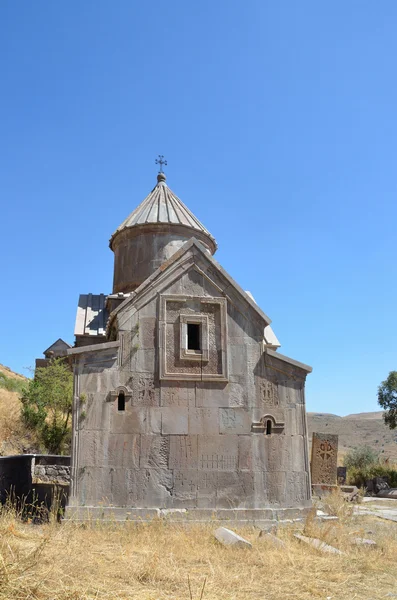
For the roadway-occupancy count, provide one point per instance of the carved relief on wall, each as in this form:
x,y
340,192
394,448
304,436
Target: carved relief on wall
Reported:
x,y
207,361
269,393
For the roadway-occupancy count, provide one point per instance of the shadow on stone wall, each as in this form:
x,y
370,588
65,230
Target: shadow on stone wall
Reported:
x,y
35,484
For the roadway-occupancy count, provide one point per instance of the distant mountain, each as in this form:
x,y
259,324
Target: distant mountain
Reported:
x,y
361,429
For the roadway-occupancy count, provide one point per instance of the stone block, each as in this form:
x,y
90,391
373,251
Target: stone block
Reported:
x,y
363,542
227,537
298,488
275,488
210,395
136,420
297,454
178,393
155,450
183,452
96,411
149,488
174,420
207,483
147,332
143,360
218,452
203,421
238,393
123,450
238,360
317,544
145,390
185,488
234,420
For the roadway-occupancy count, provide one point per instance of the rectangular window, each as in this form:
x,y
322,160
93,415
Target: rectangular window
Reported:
x,y
193,336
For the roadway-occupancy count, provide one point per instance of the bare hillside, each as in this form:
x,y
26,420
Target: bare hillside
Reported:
x,y
357,430
14,437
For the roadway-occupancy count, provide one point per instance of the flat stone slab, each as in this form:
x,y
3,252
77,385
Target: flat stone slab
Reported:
x,y
318,544
390,493
227,537
363,542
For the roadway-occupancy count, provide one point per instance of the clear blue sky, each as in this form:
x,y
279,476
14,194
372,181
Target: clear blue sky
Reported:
x,y
278,121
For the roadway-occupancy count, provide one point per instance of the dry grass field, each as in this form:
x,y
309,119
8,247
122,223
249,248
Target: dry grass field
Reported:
x,y
71,561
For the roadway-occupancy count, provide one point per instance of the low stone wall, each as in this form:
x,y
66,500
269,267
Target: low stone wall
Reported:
x,y
51,469
35,480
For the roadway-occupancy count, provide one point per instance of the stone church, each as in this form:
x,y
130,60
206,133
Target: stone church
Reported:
x,y
182,400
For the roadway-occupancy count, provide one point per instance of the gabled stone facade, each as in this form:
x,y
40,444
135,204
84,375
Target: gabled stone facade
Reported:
x,y
187,405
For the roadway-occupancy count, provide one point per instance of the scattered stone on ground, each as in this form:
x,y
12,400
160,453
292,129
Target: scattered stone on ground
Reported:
x,y
318,544
363,542
227,537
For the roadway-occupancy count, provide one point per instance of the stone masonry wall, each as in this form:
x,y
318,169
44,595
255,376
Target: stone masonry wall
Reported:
x,y
183,443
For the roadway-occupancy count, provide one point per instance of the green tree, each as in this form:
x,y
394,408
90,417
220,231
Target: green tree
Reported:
x,y
361,457
47,405
387,398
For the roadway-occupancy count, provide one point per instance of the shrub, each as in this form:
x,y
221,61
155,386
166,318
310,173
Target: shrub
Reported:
x,y
358,477
12,385
361,458
47,405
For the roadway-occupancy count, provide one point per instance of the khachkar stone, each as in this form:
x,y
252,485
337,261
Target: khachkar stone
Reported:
x,y
324,458
188,406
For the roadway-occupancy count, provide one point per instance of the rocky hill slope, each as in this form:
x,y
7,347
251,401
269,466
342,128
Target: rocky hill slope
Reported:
x,y
357,430
14,437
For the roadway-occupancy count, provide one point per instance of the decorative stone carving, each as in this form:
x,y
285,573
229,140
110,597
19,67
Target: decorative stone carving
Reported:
x,y
269,393
176,361
262,425
324,458
114,394
145,391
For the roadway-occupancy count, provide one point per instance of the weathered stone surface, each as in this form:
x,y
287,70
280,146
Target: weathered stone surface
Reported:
x,y
178,393
234,420
227,537
183,452
318,544
324,458
216,428
363,542
203,421
218,453
174,420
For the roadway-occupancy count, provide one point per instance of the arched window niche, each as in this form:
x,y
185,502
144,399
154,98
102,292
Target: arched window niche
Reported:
x,y
121,395
121,401
267,425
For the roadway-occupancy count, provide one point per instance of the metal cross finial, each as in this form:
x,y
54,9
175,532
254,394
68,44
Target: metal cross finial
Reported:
x,y
160,161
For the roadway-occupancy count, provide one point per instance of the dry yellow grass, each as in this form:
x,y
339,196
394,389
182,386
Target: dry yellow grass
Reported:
x,y
158,560
14,437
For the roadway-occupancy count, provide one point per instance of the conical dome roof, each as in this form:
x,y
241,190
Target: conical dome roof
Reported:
x,y
162,206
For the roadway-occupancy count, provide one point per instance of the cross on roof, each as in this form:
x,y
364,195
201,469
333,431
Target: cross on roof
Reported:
x,y
160,161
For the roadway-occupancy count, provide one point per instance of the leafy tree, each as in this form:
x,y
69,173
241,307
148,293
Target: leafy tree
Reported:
x,y
47,405
387,398
361,458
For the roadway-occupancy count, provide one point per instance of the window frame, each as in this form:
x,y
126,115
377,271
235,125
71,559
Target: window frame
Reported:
x,y
185,353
